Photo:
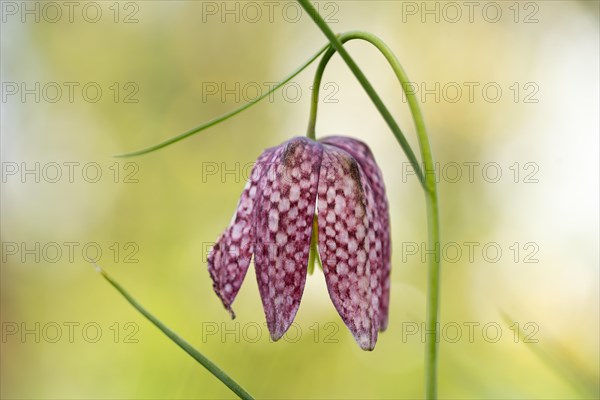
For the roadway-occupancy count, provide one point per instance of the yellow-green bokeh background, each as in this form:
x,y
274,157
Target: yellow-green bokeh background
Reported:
x,y
172,213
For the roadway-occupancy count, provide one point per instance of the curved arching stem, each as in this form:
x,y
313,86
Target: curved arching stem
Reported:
x,y
336,45
402,78
428,179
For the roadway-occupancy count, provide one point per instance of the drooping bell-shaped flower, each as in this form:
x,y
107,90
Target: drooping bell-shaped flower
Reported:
x,y
336,178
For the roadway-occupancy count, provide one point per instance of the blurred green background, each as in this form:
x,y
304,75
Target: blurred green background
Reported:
x,y
507,88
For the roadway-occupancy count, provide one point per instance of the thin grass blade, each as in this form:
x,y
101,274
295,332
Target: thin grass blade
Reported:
x,y
223,117
558,359
195,354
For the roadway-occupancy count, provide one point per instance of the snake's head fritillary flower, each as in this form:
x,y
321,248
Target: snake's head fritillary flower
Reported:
x,y
336,178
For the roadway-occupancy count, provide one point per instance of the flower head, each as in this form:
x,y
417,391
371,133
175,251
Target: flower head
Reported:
x,y
336,178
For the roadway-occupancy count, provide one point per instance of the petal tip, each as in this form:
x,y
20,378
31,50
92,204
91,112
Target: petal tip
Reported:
x,y
276,332
366,341
231,313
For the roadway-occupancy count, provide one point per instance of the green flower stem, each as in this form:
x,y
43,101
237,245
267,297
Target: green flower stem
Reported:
x,y
223,117
316,89
313,255
383,110
428,180
196,355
